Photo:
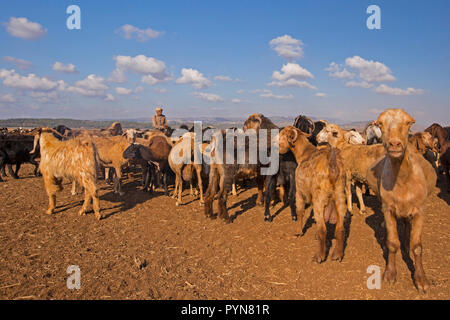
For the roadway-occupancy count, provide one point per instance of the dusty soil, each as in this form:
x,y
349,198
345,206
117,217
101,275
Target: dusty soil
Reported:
x,y
148,248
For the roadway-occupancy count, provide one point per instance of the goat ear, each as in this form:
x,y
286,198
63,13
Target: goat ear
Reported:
x,y
292,137
259,118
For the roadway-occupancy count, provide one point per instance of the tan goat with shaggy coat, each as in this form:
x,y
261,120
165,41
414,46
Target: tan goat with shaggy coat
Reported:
x,y
74,159
320,181
403,179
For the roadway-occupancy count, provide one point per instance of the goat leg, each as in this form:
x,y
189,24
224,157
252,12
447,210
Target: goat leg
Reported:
x,y
210,192
319,206
11,172
416,247
362,207
270,185
292,197
393,244
339,233
260,183
166,191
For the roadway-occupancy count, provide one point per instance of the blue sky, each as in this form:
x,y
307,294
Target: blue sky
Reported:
x,y
236,56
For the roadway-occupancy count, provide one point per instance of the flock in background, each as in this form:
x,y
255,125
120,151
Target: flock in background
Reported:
x,y
319,162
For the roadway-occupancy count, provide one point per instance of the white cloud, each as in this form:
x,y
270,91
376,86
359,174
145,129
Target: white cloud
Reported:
x,y
335,72
292,83
287,47
30,82
160,90
19,63
25,29
123,91
236,100
109,97
7,98
118,76
274,96
321,94
362,84
91,86
384,89
289,75
292,70
153,70
370,71
194,78
208,96
240,91
131,32
223,78
46,96
138,89
260,90
65,68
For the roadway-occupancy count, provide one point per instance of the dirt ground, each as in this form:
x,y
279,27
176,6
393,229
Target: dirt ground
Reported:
x,y
148,248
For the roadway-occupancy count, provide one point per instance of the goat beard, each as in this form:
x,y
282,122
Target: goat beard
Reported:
x,y
330,213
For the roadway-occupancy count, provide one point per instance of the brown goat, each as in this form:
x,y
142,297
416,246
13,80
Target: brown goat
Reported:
x,y
444,150
320,181
222,173
356,159
75,160
422,141
181,162
110,151
403,179
256,122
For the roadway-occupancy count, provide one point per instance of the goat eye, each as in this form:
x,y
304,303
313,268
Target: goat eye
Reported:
x,y
335,134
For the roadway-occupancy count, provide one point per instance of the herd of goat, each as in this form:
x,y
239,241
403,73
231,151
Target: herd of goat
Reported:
x,y
319,162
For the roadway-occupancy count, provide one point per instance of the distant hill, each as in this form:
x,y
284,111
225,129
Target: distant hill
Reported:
x,y
145,123
71,123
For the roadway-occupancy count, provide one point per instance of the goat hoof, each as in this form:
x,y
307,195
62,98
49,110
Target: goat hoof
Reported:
x,y
99,216
49,212
318,259
336,256
363,212
390,277
422,283
82,213
268,218
177,204
294,218
227,220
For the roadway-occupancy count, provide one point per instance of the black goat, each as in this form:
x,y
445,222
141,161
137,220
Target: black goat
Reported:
x,y
286,178
306,125
154,165
15,149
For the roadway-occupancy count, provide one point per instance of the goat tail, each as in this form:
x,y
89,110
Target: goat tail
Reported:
x,y
334,171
